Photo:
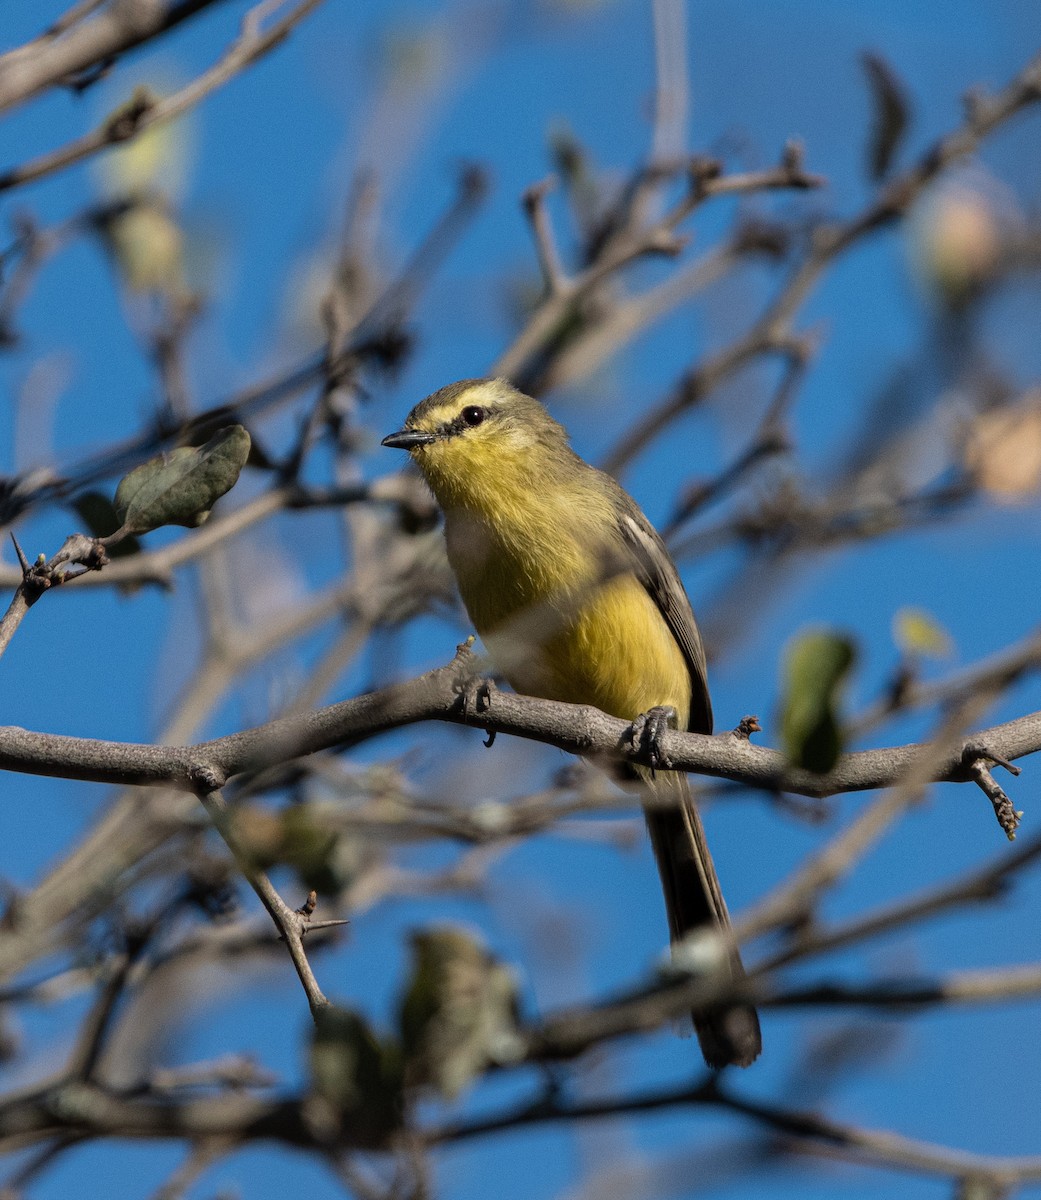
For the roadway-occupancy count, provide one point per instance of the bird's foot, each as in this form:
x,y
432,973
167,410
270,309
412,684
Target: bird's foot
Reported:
x,y
472,686
647,735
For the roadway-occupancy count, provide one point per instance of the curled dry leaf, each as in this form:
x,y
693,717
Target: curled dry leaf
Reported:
x,y
355,1076
1003,449
458,1012
180,487
956,235
892,113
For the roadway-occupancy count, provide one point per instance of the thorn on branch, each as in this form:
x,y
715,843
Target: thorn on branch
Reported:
x,y
43,574
977,751
306,911
892,114
23,562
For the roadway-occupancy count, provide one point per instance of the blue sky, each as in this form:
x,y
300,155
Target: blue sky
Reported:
x,y
271,158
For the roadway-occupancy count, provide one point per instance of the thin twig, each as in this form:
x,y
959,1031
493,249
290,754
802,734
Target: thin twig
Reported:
x,y
625,248
878,1147
201,1156
988,883
534,201
79,551
291,924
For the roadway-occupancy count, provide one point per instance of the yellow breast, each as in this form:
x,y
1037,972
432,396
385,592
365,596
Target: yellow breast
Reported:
x,y
531,575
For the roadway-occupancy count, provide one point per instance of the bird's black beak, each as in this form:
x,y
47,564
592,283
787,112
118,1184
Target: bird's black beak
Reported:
x,y
408,439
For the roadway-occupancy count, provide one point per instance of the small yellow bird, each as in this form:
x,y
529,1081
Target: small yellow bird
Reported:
x,y
577,599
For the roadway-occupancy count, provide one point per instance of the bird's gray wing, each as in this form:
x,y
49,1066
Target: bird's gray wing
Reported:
x,y
657,572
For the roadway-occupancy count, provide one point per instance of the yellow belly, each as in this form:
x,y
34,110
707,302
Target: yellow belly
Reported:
x,y
551,627
614,652
617,654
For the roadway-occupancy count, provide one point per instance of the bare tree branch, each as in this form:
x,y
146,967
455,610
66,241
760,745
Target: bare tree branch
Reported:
x,y
252,44
773,332
436,696
853,1143
78,41
292,924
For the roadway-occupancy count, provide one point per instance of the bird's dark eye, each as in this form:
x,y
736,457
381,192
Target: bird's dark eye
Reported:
x,y
473,415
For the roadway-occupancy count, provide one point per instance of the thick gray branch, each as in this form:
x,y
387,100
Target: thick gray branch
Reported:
x,y
439,696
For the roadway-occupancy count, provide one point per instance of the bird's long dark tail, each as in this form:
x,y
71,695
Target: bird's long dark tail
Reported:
x,y
694,900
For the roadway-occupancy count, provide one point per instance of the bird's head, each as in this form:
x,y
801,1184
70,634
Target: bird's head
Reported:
x,y
471,435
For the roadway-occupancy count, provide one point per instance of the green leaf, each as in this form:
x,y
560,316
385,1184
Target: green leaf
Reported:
x,y
180,487
458,1013
816,665
99,515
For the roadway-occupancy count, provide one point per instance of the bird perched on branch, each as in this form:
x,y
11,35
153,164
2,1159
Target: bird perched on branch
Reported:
x,y
577,599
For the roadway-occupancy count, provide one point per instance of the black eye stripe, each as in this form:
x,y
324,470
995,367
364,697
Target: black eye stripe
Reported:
x,y
471,416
